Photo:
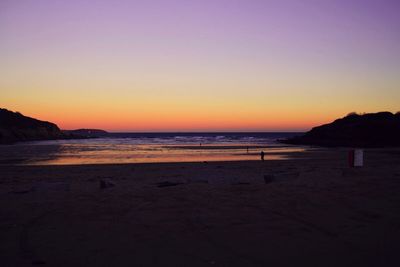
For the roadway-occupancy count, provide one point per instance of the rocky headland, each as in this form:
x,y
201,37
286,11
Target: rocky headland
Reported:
x,y
380,129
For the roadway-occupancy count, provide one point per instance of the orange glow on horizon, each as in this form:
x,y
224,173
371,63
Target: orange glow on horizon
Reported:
x,y
170,122
182,115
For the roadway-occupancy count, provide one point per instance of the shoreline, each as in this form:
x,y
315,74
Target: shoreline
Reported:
x,y
311,153
106,153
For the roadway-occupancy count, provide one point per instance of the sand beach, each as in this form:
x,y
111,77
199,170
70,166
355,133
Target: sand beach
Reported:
x,y
312,210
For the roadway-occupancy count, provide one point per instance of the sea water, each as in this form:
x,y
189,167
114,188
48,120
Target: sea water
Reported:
x,y
151,147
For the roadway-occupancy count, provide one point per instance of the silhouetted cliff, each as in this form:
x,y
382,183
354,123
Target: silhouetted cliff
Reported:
x,y
16,127
368,130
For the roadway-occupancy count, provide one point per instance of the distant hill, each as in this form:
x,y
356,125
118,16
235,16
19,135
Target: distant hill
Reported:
x,y
16,127
87,132
380,129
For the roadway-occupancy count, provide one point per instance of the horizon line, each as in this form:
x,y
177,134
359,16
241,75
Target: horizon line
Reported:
x,y
224,131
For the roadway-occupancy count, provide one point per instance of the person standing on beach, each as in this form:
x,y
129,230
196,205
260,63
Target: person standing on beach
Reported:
x,y
262,155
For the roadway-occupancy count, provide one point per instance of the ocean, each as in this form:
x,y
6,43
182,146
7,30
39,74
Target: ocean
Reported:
x,y
118,148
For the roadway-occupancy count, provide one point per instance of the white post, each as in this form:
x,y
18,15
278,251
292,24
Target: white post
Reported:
x,y
358,158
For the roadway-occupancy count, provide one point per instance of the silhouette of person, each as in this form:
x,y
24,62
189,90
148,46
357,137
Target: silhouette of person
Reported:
x,y
262,155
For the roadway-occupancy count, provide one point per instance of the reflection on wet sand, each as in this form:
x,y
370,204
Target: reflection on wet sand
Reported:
x,y
29,153
70,153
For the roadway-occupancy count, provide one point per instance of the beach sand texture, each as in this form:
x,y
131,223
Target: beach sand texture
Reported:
x,y
314,211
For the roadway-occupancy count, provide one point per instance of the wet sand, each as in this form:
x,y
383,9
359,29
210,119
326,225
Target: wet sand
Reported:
x,y
228,146
314,211
93,151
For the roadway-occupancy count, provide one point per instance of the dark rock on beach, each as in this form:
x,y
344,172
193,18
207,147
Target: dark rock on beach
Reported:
x,y
168,183
106,183
380,129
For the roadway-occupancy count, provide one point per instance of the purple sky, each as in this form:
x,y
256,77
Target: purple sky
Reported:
x,y
319,48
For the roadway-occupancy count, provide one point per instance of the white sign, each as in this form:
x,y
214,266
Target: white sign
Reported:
x,y
358,158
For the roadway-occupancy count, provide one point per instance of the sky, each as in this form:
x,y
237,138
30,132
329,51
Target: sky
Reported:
x,y
209,65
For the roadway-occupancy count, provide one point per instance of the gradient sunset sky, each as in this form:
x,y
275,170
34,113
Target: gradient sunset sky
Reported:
x,y
209,65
